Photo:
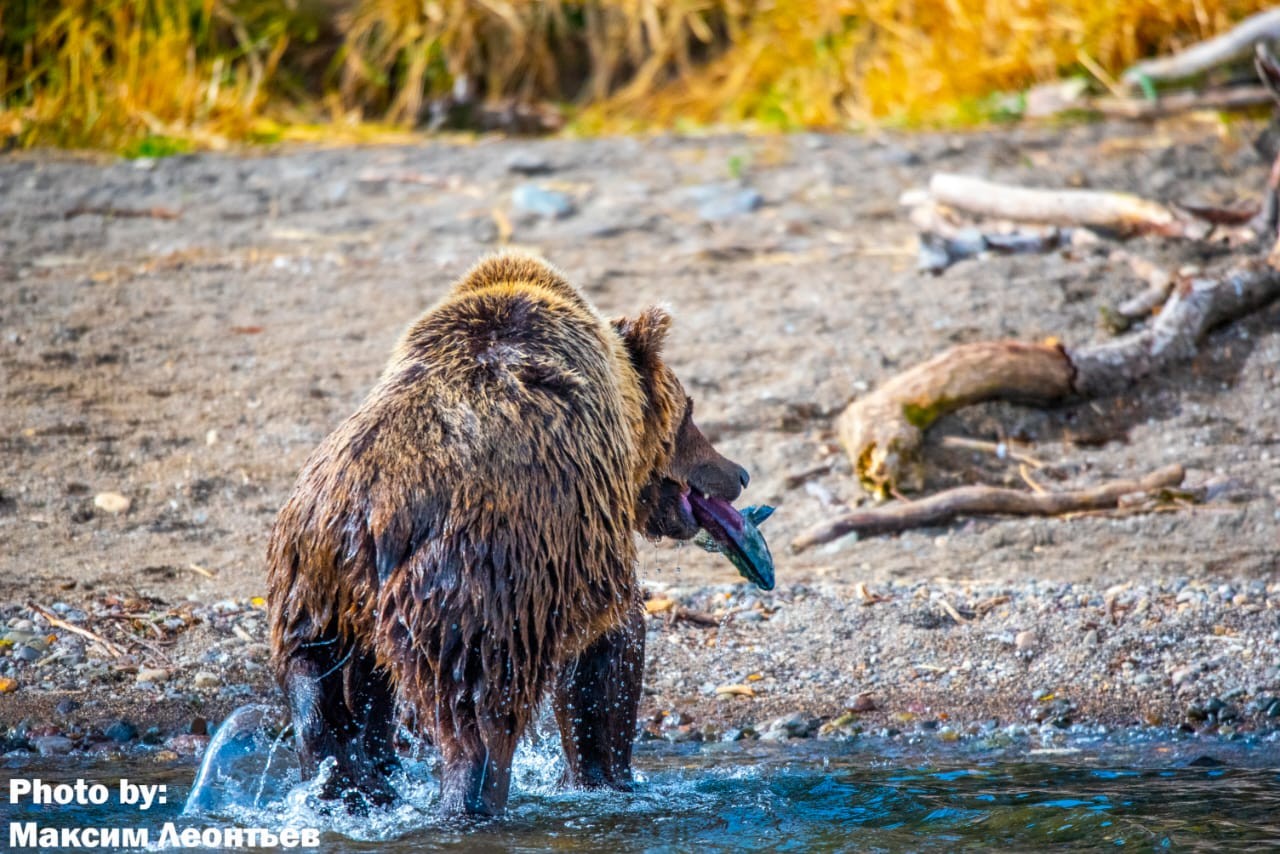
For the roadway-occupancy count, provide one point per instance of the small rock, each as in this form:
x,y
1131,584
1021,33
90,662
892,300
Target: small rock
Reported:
x,y
152,674
1091,637
7,685
739,734
186,744
932,255
1205,761
794,725
205,679
843,727
896,155
536,200
52,745
66,707
862,703
198,726
730,204
1025,641
27,652
121,731
525,162
112,502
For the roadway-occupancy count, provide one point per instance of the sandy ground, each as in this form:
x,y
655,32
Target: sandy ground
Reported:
x,y
191,358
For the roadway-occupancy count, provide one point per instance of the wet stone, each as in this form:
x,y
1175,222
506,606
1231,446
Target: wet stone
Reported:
x,y
66,707
52,745
121,731
794,725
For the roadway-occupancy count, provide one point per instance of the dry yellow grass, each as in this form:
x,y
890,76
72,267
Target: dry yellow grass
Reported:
x,y
830,64
108,73
141,75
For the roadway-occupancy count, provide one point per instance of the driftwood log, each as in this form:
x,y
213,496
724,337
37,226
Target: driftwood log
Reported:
x,y
950,504
1121,213
882,432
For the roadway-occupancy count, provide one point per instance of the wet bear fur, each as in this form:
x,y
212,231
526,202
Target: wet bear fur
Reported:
x,y
462,545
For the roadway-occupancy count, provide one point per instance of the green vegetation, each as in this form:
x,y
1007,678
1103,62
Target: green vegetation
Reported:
x,y
164,75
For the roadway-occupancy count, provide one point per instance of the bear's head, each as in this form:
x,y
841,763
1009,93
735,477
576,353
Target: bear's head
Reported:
x,y
684,483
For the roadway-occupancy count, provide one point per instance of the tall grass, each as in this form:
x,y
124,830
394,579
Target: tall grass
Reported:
x,y
107,73
121,74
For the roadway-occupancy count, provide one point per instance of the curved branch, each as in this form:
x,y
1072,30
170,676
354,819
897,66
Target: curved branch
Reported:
x,y
982,501
1233,44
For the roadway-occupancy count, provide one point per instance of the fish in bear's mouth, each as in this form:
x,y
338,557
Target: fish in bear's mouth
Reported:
x,y
730,533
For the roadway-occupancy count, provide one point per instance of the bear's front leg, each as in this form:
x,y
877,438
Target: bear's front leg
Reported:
x,y
596,701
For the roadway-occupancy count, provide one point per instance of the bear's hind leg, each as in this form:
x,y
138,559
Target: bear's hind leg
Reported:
x,y
596,700
343,706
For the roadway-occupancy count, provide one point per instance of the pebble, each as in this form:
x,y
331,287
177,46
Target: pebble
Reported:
x,y
1025,641
66,707
1183,674
152,674
528,163
539,201
52,745
186,744
729,204
932,255
28,652
121,731
205,679
794,725
862,703
112,502
7,685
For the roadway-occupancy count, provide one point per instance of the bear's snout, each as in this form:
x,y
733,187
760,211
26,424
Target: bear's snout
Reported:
x,y
720,479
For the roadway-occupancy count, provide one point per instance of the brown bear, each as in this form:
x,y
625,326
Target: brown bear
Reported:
x,y
463,544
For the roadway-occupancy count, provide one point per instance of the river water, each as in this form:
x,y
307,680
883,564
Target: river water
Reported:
x,y
1077,791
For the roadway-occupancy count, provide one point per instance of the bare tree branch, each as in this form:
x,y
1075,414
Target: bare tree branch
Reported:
x,y
981,501
1233,44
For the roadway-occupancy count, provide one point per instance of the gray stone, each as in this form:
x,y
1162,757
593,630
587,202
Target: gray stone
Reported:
x,y
539,201
729,204
52,745
524,162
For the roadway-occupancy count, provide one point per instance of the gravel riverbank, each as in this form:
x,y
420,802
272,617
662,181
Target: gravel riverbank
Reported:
x,y
176,335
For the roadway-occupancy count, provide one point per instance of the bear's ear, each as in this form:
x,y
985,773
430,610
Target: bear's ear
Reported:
x,y
644,334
